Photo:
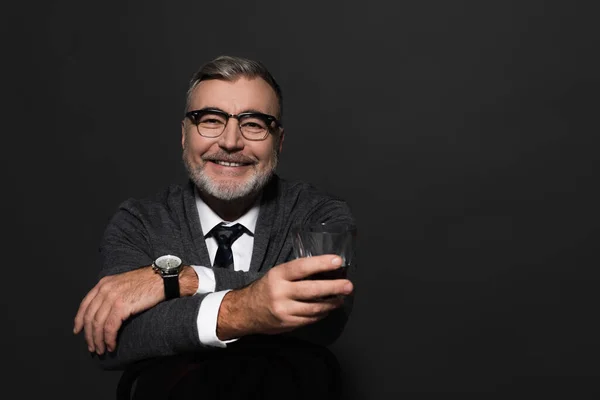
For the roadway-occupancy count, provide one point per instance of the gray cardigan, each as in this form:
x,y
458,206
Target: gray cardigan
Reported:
x,y
168,223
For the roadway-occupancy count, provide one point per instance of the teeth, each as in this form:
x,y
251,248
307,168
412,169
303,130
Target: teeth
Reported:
x,y
229,164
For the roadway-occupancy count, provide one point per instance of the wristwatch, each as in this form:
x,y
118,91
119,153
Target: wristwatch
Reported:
x,y
168,266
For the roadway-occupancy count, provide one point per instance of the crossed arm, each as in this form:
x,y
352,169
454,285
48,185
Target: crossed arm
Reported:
x,y
125,317
131,302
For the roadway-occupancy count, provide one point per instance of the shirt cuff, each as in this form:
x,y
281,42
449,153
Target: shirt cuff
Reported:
x,y
206,279
207,320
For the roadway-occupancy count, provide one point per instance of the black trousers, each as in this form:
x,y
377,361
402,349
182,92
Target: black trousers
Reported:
x,y
262,368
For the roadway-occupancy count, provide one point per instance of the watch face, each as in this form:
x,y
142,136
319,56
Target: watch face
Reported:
x,y
168,262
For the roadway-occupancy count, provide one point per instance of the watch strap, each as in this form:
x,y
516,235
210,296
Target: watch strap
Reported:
x,y
171,282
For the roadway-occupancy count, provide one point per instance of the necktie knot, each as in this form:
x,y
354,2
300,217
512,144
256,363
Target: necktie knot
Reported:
x,y
225,236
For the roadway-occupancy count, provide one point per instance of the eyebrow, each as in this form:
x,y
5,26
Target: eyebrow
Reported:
x,y
249,110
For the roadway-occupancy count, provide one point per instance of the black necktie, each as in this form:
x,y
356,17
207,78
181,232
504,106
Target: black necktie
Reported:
x,y
225,236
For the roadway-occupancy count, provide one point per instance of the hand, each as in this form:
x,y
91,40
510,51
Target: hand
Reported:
x,y
283,299
114,299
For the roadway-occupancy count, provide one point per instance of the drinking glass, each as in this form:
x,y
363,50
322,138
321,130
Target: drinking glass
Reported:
x,y
326,238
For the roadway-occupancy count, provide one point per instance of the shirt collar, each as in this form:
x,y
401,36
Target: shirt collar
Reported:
x,y
209,219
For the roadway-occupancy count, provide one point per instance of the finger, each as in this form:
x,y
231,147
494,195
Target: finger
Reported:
x,y
111,328
308,290
89,318
78,325
98,324
295,321
318,308
304,267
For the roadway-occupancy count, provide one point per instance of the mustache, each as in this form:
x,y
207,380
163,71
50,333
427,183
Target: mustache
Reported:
x,y
229,157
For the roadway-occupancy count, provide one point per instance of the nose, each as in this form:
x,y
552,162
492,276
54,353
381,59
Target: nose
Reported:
x,y
231,139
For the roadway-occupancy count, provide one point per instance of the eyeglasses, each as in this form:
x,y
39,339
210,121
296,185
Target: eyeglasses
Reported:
x,y
211,123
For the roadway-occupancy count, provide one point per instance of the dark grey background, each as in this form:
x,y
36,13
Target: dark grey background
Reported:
x,y
463,135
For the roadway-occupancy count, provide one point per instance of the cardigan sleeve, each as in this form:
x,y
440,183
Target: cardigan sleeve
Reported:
x,y
327,330
168,328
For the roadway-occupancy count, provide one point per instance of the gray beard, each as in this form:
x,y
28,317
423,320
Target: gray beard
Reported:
x,y
228,190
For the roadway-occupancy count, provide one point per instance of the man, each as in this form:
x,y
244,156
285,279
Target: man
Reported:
x,y
263,304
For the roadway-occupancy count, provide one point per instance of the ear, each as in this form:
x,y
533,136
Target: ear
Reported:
x,y
183,134
281,137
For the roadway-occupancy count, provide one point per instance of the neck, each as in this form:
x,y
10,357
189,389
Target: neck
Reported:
x,y
229,210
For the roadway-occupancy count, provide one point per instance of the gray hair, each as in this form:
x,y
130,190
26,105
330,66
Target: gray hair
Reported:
x,y
230,68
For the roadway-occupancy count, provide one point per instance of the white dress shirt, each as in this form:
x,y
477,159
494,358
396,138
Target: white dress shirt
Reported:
x,y
242,254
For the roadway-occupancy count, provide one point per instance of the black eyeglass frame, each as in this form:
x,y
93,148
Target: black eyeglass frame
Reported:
x,y
195,115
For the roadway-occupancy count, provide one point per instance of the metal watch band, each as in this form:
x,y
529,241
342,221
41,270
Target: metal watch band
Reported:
x,y
171,282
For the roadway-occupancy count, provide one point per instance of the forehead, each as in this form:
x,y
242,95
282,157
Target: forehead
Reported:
x,y
235,96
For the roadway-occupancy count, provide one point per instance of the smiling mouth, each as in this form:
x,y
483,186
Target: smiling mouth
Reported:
x,y
230,164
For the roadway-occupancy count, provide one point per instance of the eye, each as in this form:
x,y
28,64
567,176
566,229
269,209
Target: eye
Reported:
x,y
253,123
211,120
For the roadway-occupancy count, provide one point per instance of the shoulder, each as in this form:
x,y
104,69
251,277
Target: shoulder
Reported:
x,y
294,190
159,204
302,200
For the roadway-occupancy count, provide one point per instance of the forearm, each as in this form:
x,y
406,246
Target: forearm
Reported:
x,y
156,331
234,320
168,328
273,306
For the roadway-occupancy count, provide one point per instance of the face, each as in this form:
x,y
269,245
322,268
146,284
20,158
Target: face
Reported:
x,y
231,167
